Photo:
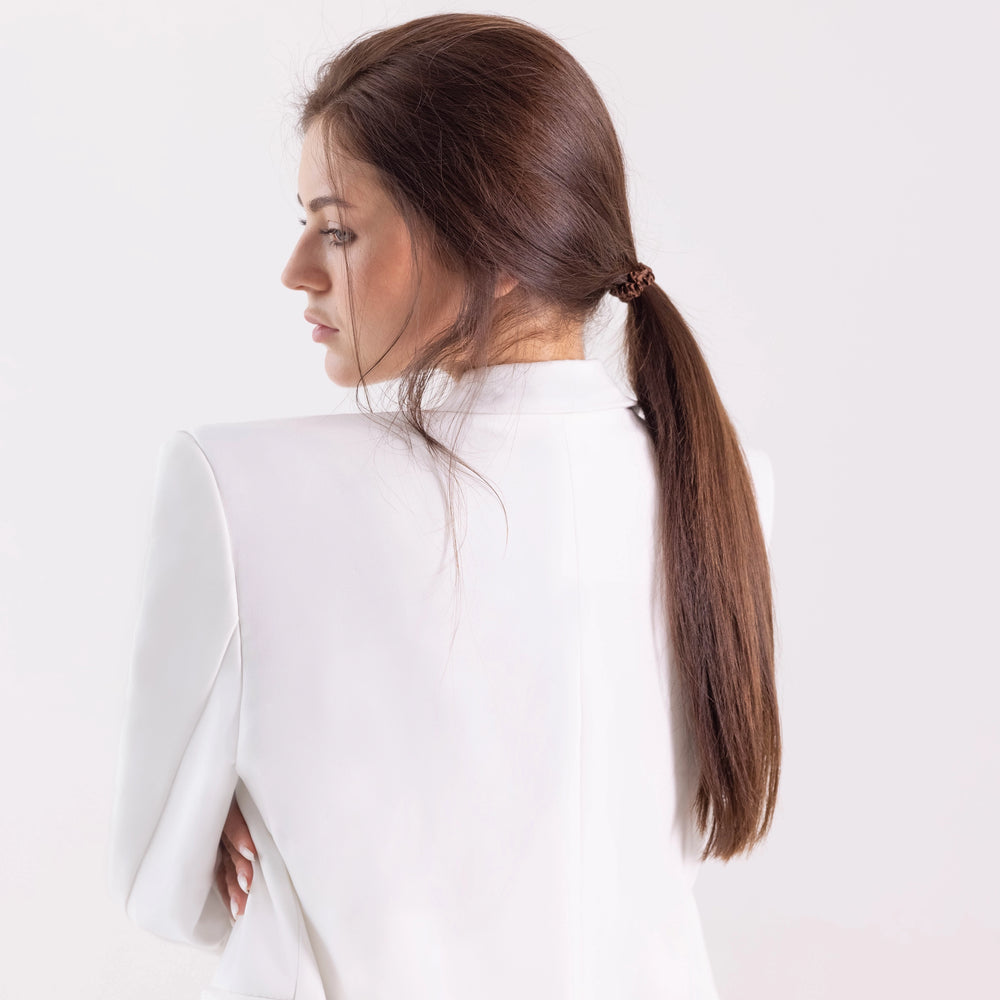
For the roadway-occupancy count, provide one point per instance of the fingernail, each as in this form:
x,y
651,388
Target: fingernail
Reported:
x,y
234,907
247,853
242,879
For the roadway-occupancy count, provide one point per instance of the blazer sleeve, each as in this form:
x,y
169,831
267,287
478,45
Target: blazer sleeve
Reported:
x,y
177,759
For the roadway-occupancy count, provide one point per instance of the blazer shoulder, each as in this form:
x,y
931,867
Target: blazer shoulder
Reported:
x,y
274,435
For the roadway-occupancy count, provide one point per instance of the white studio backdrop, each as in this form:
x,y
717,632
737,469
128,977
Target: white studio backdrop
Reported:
x,y
815,186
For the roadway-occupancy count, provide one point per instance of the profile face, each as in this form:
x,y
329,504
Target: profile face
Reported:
x,y
357,225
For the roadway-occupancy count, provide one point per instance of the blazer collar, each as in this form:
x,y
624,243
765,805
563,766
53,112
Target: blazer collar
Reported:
x,y
565,385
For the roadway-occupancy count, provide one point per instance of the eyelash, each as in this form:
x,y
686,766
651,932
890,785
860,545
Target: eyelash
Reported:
x,y
346,234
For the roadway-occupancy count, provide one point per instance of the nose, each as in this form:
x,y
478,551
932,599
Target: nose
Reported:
x,y
302,273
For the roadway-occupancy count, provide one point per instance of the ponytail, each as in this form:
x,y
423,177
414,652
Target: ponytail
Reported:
x,y
717,577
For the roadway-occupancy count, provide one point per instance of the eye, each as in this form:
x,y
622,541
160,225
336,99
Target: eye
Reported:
x,y
340,237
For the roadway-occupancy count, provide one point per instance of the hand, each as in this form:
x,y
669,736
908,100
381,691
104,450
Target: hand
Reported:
x,y
233,868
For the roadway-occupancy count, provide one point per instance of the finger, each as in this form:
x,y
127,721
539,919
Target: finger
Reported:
x,y
242,867
237,897
236,837
236,829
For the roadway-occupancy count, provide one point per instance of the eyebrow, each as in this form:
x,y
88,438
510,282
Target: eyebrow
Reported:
x,y
317,203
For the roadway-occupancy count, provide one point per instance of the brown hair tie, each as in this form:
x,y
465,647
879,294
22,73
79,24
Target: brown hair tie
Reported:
x,y
634,285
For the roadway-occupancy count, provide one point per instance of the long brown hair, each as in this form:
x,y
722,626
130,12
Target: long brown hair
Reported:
x,y
498,149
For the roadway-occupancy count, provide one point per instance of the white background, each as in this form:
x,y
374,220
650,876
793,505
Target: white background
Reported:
x,y
814,185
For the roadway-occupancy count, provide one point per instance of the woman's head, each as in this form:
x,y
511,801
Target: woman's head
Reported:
x,y
481,140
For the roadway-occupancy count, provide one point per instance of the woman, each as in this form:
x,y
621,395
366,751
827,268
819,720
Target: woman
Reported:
x,y
498,782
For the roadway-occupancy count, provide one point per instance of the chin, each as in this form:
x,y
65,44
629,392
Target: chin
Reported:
x,y
344,372
340,371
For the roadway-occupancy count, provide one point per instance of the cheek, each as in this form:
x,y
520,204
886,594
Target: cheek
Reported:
x,y
384,286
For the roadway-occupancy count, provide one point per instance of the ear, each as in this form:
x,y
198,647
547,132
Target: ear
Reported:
x,y
505,284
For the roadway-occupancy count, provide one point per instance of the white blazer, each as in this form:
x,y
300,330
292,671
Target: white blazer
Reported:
x,y
479,795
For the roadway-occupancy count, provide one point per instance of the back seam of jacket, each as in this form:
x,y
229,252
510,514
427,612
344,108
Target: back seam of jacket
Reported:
x,y
577,917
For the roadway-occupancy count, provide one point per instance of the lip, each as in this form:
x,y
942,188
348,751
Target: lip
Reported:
x,y
320,330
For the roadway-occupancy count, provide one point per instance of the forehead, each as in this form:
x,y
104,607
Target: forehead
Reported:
x,y
324,167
